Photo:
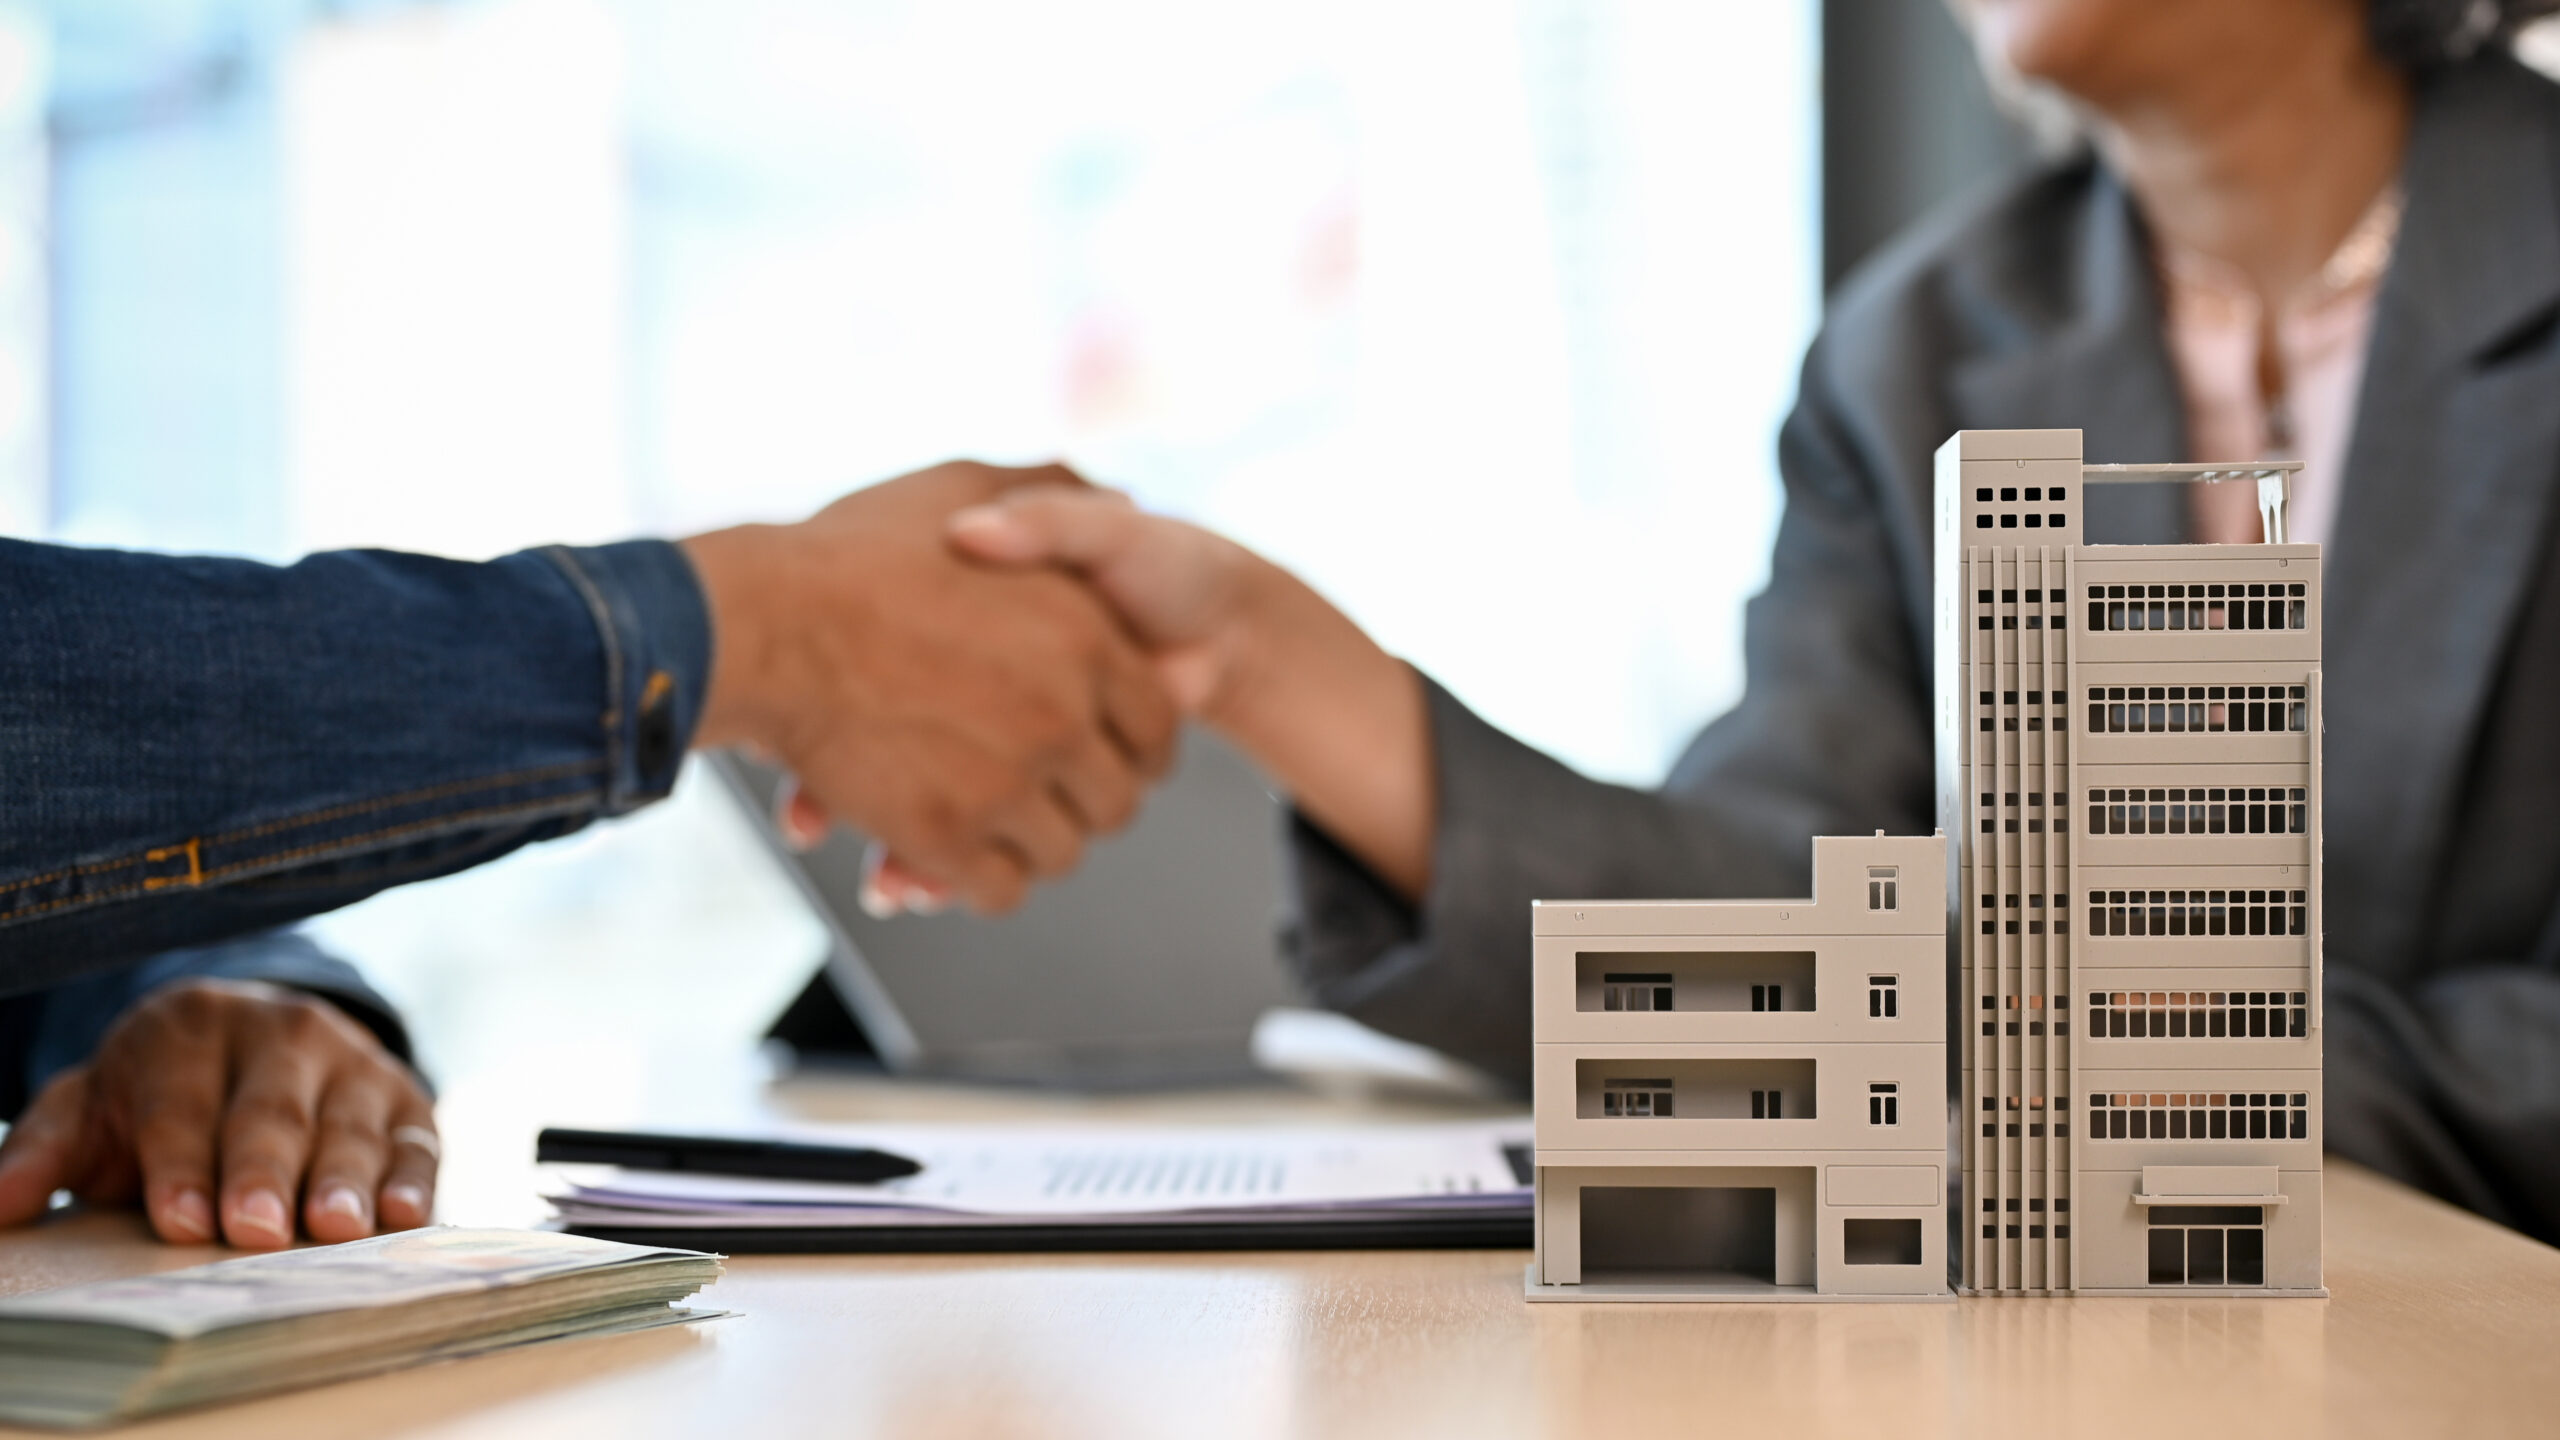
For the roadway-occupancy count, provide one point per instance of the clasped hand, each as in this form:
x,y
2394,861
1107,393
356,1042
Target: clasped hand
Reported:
x,y
1239,644
985,723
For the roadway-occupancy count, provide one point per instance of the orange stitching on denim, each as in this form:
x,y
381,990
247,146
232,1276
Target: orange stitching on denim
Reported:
x,y
193,850
307,851
411,797
660,682
13,917
52,875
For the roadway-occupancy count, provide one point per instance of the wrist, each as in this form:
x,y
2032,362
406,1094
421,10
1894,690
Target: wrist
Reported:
x,y
735,570
1263,646
1335,719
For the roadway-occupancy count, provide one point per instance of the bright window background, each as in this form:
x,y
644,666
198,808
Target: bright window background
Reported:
x,y
1480,315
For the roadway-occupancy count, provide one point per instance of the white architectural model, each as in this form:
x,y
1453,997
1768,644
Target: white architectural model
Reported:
x,y
2129,762
1746,1100
1743,1099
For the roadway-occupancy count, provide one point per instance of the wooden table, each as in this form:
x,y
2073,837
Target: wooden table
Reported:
x,y
2439,1324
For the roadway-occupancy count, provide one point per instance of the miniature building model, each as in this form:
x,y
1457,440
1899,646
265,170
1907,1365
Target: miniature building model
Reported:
x,y
1746,1100
2129,763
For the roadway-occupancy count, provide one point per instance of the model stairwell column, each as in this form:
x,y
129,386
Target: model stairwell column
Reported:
x,y
2009,517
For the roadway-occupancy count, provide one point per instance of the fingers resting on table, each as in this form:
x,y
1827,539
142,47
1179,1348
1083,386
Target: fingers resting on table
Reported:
x,y
232,1110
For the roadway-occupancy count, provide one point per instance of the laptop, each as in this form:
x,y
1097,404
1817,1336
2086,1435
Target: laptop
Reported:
x,y
1147,966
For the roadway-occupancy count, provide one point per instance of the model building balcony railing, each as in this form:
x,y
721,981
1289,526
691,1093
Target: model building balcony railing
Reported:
x,y
1694,981
1694,1089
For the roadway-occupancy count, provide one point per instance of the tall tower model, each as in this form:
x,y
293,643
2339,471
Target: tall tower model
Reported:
x,y
1746,1099
2129,763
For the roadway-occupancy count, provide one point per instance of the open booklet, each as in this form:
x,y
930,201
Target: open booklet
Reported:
x,y
1082,1187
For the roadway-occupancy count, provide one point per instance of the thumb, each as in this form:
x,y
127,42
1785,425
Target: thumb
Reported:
x,y
42,1151
1082,530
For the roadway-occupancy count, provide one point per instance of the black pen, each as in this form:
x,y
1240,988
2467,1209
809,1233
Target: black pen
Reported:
x,y
723,1155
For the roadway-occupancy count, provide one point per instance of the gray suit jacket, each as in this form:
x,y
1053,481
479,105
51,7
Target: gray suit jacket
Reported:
x,y
2036,307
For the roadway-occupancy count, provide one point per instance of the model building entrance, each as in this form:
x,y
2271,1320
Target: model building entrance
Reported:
x,y
1681,1234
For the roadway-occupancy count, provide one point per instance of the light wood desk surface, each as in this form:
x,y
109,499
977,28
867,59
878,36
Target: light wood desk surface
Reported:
x,y
2439,1324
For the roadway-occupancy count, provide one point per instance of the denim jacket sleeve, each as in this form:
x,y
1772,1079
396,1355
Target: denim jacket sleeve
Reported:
x,y
193,749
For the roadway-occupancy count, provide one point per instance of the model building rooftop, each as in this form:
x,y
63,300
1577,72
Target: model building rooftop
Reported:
x,y
1858,889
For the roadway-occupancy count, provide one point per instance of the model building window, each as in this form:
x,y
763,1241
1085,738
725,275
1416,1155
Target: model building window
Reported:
x,y
1880,1242
1884,886
2208,1245
2199,607
2033,1127
1636,1099
1984,614
2199,1014
1884,997
1635,992
1884,1104
2198,709
1768,1105
2198,913
1768,997
2201,810
2200,1116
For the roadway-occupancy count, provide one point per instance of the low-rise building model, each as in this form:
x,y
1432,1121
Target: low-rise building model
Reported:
x,y
1746,1099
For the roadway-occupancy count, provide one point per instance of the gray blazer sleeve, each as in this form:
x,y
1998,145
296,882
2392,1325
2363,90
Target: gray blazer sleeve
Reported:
x,y
2452,1085
1830,738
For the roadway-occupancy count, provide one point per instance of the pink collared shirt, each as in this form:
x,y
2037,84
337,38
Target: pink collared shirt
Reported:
x,y
2215,325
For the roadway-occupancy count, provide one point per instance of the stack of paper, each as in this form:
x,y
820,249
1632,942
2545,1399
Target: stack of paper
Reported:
x,y
121,1348
1052,1179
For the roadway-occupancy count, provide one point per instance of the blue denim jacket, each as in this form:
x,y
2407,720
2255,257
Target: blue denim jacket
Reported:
x,y
193,749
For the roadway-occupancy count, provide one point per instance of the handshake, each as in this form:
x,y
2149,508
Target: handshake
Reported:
x,y
984,668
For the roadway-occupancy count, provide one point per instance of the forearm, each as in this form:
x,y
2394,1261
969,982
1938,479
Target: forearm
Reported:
x,y
1512,825
1337,721
199,748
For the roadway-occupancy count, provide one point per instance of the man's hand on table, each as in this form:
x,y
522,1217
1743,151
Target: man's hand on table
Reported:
x,y
228,1107
984,723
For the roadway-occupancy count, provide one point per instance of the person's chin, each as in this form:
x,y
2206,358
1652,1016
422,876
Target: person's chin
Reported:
x,y
2053,41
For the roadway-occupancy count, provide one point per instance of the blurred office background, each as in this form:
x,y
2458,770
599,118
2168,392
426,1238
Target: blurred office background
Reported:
x,y
1482,315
